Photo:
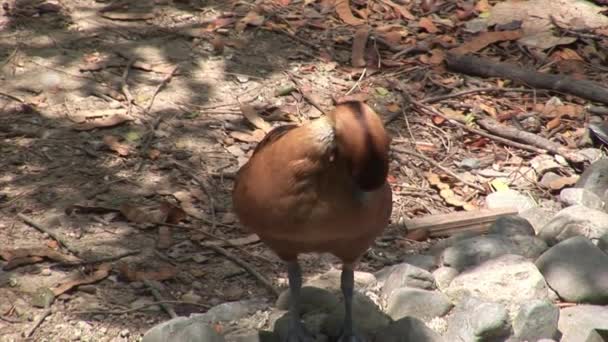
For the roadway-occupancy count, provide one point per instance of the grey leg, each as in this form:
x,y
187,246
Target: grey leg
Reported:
x,y
347,285
296,331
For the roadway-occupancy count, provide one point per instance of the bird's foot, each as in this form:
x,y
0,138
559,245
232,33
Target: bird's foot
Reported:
x,y
298,333
351,338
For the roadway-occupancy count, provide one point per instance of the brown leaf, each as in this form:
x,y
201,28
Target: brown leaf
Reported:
x,y
254,118
153,154
554,123
112,142
104,122
427,24
137,215
8,254
172,213
421,234
18,262
393,107
560,183
485,39
437,57
164,273
344,12
401,9
359,44
218,44
165,239
128,16
482,6
101,272
253,18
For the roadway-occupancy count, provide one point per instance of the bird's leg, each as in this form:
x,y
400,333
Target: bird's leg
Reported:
x,y
296,331
347,284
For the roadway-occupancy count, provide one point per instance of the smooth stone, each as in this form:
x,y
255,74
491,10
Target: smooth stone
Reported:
x,y
509,279
475,320
182,329
408,329
577,270
580,196
253,336
367,318
426,262
444,276
418,303
509,199
573,221
536,320
511,225
406,275
330,280
473,251
595,178
231,311
313,299
576,323
544,163
312,321
538,217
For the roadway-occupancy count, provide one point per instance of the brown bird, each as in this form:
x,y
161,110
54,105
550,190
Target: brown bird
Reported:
x,y
319,187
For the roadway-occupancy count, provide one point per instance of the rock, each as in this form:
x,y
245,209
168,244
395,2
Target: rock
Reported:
x,y
313,299
406,275
595,178
511,225
577,270
407,329
580,196
544,163
509,279
548,180
426,262
182,329
312,321
479,249
536,320
444,276
591,154
441,245
538,217
576,323
509,199
418,303
191,297
476,320
367,317
231,311
252,336
330,280
575,220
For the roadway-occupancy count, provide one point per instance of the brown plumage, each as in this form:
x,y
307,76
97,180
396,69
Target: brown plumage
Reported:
x,y
319,187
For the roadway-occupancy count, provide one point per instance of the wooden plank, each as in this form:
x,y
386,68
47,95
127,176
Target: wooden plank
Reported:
x,y
449,224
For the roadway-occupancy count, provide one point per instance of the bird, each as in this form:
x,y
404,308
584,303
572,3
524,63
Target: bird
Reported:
x,y
319,187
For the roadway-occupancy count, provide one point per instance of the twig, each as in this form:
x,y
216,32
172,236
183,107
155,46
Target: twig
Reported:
x,y
356,83
12,97
306,95
138,308
98,260
473,91
37,322
10,320
163,83
439,166
125,86
245,266
43,229
169,310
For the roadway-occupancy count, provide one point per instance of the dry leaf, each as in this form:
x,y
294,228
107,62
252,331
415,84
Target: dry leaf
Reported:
x,y
437,57
128,15
8,254
153,154
164,273
562,182
482,6
427,24
393,107
554,123
104,122
165,239
344,12
401,9
488,109
484,39
173,214
254,118
101,272
252,18
138,215
359,44
218,44
18,262
112,142
246,137
567,54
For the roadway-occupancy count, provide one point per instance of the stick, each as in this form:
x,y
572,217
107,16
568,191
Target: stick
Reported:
x,y
37,322
125,86
98,260
12,97
163,83
472,65
305,94
473,91
245,266
169,310
43,229
439,166
143,306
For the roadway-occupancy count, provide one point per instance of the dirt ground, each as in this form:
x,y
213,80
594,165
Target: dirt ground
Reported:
x,y
66,67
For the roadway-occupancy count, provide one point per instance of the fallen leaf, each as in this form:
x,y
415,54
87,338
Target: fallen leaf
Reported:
x,y
344,12
139,215
401,9
562,182
9,254
112,142
437,57
566,54
482,6
358,49
18,262
427,24
165,239
253,18
102,272
172,213
128,16
254,118
218,44
153,154
245,137
164,273
554,123
104,122
393,107
484,39
421,234
488,109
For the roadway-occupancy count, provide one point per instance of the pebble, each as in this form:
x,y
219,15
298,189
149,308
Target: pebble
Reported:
x,y
509,199
406,275
313,299
575,220
182,329
536,320
476,320
580,196
511,225
367,317
418,303
408,329
538,217
577,323
444,276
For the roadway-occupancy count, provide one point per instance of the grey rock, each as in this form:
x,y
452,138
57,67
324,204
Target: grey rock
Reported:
x,y
595,178
576,323
548,178
580,196
407,329
406,275
511,225
444,276
367,318
479,249
441,245
509,279
573,221
538,217
509,199
312,321
544,163
330,280
536,320
597,335
231,311
591,154
577,270
313,299
475,320
418,303
182,329
252,336
426,262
